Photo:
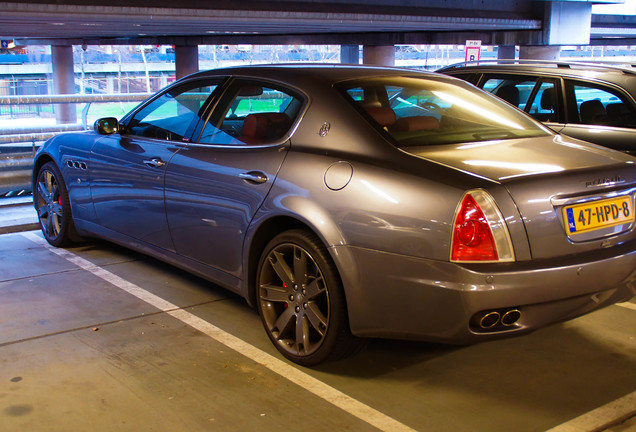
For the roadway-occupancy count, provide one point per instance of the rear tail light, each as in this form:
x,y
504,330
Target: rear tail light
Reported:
x,y
480,233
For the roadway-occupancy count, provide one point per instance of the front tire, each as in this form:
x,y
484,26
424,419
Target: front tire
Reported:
x,y
53,207
301,301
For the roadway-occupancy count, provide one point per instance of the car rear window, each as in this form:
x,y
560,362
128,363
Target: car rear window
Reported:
x,y
427,111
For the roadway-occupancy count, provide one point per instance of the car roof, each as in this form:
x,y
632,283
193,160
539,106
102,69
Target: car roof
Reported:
x,y
319,72
618,73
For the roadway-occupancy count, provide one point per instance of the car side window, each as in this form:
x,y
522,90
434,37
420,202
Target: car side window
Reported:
x,y
252,113
544,105
170,116
602,106
513,89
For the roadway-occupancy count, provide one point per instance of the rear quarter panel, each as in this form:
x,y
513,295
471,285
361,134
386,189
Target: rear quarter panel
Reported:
x,y
390,201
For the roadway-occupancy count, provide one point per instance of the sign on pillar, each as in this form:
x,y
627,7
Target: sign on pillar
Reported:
x,y
473,50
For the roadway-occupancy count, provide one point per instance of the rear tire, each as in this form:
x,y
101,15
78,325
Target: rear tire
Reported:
x,y
53,207
301,301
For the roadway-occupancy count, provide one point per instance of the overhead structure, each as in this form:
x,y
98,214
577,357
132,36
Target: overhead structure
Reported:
x,y
345,22
540,27
613,30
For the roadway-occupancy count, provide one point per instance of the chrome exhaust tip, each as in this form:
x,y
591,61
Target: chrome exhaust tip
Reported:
x,y
489,320
510,317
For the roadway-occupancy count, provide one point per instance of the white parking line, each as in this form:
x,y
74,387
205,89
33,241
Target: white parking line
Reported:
x,y
307,382
601,418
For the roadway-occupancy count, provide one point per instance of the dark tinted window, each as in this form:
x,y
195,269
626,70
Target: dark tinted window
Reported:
x,y
597,105
515,90
539,98
544,105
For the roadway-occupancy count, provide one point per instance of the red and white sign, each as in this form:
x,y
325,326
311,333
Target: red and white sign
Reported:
x,y
473,50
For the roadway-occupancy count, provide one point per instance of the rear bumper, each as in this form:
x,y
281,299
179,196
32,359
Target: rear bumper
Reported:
x,y
395,296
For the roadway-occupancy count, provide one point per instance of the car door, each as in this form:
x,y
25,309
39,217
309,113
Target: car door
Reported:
x,y
128,168
601,114
538,96
215,185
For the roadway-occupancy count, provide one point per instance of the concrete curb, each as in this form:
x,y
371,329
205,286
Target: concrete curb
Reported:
x,y
19,228
17,214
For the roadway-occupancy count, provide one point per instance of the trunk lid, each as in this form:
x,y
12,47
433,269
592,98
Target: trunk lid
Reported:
x,y
573,197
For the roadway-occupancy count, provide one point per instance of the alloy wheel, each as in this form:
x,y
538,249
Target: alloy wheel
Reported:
x,y
294,300
49,204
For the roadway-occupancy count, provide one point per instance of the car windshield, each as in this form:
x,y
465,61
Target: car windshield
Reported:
x,y
419,112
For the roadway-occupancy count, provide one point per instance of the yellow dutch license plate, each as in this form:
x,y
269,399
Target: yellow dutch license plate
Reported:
x,y
598,214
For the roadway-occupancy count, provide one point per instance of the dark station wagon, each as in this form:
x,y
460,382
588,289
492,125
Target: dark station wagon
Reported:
x,y
595,103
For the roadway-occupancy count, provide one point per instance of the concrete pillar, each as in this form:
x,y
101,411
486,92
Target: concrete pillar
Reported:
x,y
378,55
186,58
539,52
567,22
506,52
63,81
350,54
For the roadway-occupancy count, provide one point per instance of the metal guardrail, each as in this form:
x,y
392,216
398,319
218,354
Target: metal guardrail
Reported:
x,y
8,135
16,162
76,98
15,172
39,134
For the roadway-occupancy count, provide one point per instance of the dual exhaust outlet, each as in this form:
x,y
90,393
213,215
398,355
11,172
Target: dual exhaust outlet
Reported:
x,y
490,319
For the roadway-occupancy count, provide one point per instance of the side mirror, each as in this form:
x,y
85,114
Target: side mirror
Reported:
x,y
106,126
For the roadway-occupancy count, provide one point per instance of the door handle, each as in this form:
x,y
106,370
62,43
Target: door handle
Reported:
x,y
255,177
155,163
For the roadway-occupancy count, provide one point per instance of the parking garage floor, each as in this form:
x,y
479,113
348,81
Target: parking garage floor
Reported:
x,y
99,338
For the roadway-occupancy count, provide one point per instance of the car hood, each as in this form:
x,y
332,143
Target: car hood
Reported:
x,y
505,160
546,176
